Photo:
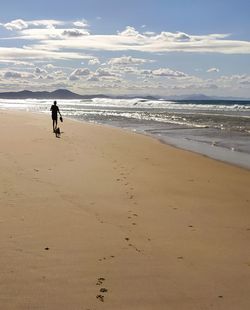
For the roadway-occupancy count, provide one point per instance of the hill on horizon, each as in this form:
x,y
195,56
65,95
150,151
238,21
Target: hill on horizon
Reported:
x,y
67,94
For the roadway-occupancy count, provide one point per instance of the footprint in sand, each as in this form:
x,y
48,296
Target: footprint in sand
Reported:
x,y
104,258
103,290
100,281
137,250
101,259
100,297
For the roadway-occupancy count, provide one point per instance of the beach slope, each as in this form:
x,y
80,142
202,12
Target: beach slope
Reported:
x,y
105,219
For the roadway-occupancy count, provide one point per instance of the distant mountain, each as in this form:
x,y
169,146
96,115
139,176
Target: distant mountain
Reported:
x,y
57,94
66,94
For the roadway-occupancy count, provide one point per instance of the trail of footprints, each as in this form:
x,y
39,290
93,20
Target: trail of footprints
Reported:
x,y
130,194
132,216
123,179
102,290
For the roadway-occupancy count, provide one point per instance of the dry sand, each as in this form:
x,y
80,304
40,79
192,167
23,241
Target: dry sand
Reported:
x,y
106,219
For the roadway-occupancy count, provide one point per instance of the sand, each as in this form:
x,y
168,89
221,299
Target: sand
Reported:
x,y
106,219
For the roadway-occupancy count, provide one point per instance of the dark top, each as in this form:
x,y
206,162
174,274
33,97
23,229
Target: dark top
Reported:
x,y
54,109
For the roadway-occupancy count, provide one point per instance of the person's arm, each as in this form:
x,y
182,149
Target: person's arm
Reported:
x,y
59,111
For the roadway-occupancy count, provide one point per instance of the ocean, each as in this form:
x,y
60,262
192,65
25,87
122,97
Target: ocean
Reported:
x,y
217,129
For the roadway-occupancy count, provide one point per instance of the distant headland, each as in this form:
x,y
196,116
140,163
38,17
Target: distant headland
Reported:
x,y
57,94
67,94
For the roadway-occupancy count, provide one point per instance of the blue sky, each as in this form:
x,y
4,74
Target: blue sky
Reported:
x,y
161,47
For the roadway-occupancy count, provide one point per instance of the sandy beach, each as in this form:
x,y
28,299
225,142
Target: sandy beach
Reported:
x,y
106,219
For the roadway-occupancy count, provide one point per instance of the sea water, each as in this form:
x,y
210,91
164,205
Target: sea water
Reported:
x,y
218,129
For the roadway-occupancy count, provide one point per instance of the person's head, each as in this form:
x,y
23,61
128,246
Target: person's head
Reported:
x,y
55,102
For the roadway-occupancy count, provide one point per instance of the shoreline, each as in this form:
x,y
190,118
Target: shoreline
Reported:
x,y
218,153
215,153
219,145
105,214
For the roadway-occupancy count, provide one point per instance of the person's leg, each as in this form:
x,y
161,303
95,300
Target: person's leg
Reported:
x,y
54,127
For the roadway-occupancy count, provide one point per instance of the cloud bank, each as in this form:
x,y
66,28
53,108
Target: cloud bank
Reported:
x,y
49,52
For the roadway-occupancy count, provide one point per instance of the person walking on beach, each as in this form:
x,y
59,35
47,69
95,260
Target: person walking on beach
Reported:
x,y
54,113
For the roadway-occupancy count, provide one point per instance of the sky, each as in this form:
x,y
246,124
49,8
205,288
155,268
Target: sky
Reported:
x,y
132,47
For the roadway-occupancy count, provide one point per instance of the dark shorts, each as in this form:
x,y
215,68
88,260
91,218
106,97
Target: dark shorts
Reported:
x,y
54,117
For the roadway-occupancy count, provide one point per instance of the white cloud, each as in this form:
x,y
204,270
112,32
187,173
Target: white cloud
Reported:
x,y
168,73
50,66
50,44
81,71
104,72
17,24
94,61
50,37
20,24
130,70
129,31
146,72
28,53
149,33
213,70
127,60
175,37
17,75
48,23
49,77
73,77
93,79
40,71
74,33
81,24
77,73
130,39
234,81
12,74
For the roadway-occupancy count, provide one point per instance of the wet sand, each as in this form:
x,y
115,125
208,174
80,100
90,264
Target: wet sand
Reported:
x,y
105,219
